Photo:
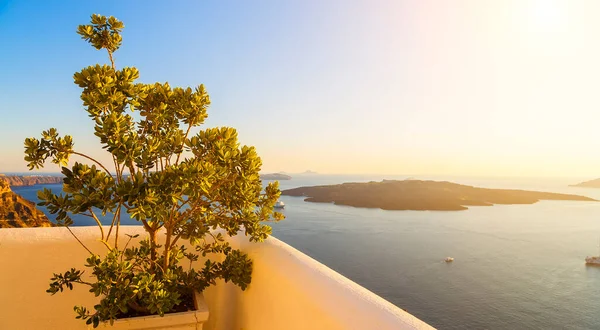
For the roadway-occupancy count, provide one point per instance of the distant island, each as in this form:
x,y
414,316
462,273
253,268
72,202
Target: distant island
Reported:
x,y
588,184
309,172
30,180
17,212
275,176
421,195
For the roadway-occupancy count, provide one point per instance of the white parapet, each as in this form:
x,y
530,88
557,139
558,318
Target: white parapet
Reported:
x,y
289,290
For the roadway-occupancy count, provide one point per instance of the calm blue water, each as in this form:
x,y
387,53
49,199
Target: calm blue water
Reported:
x,y
516,266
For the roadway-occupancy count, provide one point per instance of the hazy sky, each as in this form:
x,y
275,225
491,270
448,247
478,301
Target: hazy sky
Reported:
x,y
506,88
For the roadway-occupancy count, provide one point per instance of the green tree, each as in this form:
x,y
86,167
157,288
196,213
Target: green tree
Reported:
x,y
189,187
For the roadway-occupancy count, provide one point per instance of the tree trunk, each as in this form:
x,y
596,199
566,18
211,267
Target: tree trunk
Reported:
x,y
153,246
136,307
167,247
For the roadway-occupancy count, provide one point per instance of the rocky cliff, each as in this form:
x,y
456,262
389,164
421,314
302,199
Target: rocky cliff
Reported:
x,y
30,180
16,211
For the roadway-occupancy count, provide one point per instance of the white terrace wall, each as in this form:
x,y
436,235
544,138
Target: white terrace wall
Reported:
x,y
289,290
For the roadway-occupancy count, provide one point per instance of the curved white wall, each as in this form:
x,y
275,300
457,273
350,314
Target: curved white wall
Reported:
x,y
289,290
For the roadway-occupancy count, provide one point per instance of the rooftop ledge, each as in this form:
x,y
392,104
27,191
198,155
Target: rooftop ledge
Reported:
x,y
289,290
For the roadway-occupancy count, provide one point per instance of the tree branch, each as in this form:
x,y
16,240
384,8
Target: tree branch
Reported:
x,y
146,225
123,169
112,62
131,168
167,249
95,161
183,143
78,240
116,215
134,305
112,224
183,204
106,244
97,222
117,169
83,282
117,232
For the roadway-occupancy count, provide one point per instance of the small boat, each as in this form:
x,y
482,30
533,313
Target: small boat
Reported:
x,y
279,205
449,259
594,260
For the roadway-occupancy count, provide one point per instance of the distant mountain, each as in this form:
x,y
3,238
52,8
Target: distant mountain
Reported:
x,y
421,195
16,211
275,176
588,184
30,180
309,172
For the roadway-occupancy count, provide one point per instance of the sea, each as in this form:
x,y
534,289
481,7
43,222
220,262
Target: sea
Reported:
x,y
515,266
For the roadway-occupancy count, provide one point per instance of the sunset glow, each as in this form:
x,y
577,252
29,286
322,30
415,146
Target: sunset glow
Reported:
x,y
503,88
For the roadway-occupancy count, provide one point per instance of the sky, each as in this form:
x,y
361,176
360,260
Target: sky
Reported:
x,y
463,87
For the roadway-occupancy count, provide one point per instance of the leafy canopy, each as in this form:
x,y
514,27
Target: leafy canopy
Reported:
x,y
174,179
